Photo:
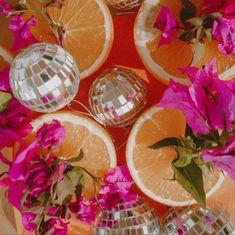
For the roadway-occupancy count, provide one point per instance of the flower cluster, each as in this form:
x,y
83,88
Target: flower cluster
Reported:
x,y
43,188
14,118
208,105
116,189
215,21
47,191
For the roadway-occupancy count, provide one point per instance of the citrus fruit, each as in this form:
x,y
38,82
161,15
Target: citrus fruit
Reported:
x,y
164,62
83,134
87,31
6,57
151,169
99,154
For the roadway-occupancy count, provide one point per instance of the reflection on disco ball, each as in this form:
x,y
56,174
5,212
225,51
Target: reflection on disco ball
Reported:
x,y
44,77
123,4
136,217
117,97
196,220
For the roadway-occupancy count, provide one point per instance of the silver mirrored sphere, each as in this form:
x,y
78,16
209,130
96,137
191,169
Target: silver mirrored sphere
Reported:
x,y
123,4
117,97
198,221
135,217
44,77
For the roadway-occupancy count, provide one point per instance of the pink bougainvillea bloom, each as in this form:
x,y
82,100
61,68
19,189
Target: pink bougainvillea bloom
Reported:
x,y
38,178
4,80
5,8
28,221
222,158
14,124
207,105
167,24
116,189
224,33
120,176
54,226
225,7
51,135
21,31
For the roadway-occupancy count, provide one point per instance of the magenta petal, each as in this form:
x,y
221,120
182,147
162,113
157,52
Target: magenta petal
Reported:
x,y
21,32
28,221
18,168
167,23
177,97
15,193
51,135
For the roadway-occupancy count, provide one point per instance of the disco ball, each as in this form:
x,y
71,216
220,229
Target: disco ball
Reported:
x,y
135,217
196,220
123,4
44,77
117,97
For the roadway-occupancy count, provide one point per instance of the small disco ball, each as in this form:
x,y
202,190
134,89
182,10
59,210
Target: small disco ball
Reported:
x,y
196,220
117,97
124,4
135,217
44,77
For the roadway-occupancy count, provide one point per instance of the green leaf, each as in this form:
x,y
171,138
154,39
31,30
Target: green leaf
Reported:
x,y
197,21
63,189
199,38
187,36
4,100
188,10
208,33
77,177
184,157
198,48
191,179
69,185
167,142
76,159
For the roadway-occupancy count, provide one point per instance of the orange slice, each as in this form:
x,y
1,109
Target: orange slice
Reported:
x,y
87,32
164,62
99,154
83,133
151,169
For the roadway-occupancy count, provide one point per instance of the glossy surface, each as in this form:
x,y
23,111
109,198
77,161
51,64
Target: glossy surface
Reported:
x,y
44,77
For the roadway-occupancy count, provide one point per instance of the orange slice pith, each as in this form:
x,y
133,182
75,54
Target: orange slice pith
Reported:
x,y
88,32
151,169
164,62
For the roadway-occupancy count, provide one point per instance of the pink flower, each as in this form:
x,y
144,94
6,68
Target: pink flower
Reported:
x,y
51,135
224,33
5,8
120,176
222,158
116,190
54,226
38,178
83,210
28,221
207,105
167,23
15,191
225,7
4,81
21,31
14,124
